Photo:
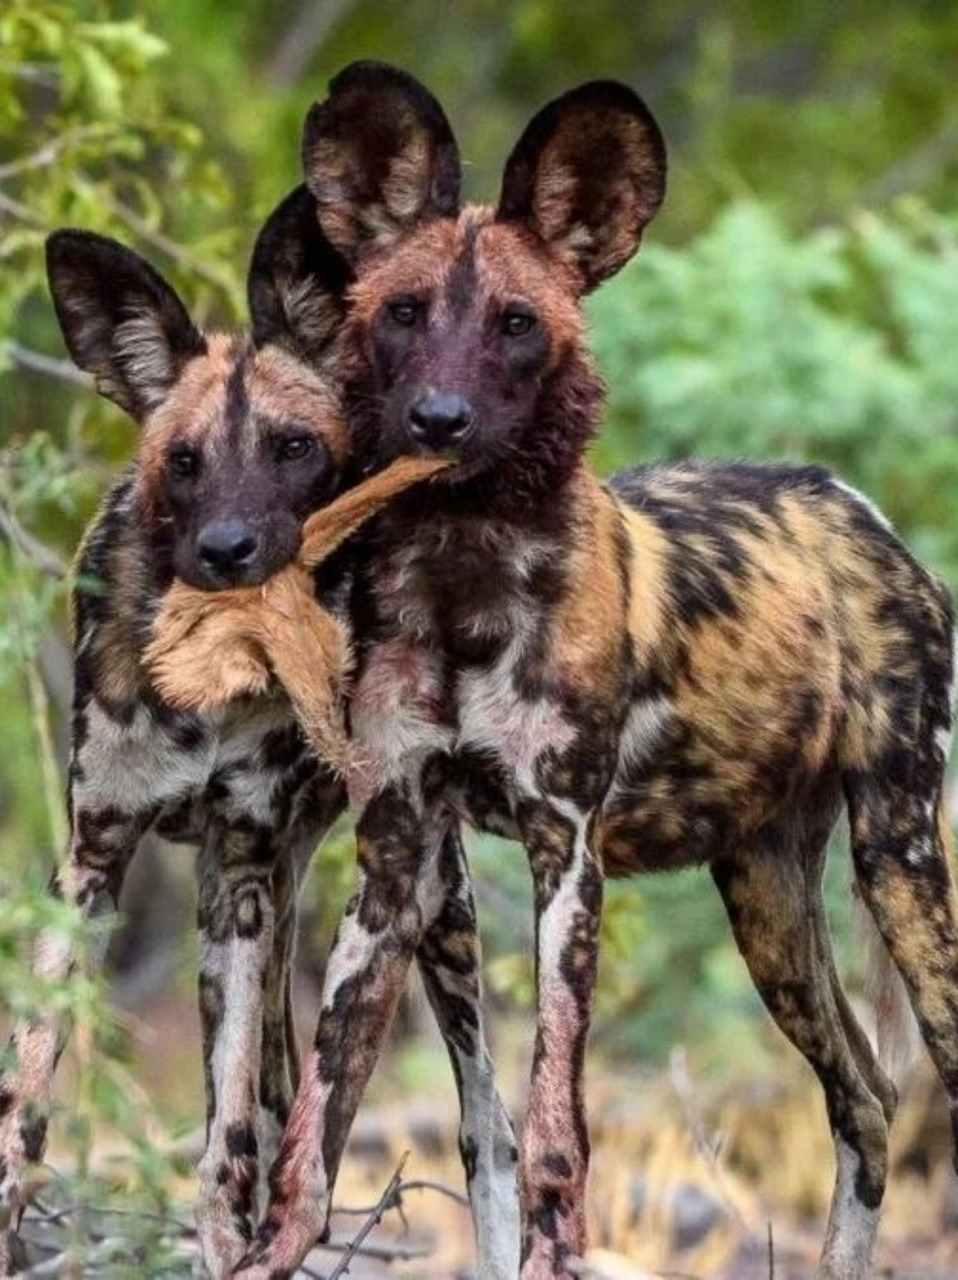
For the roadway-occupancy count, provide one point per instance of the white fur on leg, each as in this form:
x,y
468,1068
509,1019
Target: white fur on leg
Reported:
x,y
493,1195
851,1225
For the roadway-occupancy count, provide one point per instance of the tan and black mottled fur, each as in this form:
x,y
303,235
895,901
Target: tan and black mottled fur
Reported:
x,y
701,663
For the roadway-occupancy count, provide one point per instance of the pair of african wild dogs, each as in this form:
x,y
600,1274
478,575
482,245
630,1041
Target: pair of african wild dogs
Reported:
x,y
691,664
243,437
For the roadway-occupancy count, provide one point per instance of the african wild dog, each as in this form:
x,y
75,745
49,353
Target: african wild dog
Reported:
x,y
691,664
243,437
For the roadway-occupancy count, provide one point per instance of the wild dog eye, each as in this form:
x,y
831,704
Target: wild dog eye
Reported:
x,y
293,448
517,323
183,463
405,311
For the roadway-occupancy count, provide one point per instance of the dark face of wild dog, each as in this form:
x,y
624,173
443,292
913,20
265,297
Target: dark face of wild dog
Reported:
x,y
465,335
242,438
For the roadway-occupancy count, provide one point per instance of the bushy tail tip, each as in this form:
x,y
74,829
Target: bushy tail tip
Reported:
x,y
897,1037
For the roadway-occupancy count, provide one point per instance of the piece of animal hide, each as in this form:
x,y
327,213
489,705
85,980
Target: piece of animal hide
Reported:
x,y
209,647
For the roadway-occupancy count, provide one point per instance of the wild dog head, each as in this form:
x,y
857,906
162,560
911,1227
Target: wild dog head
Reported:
x,y
465,333
242,435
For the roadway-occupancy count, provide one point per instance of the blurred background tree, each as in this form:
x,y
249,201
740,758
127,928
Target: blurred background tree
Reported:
x,y
797,297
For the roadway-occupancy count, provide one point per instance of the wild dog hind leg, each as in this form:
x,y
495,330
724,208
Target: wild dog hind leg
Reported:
x,y
775,913
450,963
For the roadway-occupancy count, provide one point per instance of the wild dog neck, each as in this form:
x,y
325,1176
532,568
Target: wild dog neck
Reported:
x,y
472,582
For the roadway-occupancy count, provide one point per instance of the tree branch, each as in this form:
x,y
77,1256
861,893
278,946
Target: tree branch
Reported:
x,y
175,252
917,167
385,1201
303,39
40,555
37,362
51,151
20,211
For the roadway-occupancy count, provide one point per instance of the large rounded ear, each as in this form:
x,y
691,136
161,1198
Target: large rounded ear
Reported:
x,y
380,158
297,281
122,322
586,176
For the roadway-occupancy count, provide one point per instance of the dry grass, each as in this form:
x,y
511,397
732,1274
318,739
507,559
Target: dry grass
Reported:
x,y
688,1170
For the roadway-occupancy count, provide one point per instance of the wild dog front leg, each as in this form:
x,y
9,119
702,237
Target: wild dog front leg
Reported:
x,y
554,1152
236,927
240,971
450,963
266,830
102,842
370,957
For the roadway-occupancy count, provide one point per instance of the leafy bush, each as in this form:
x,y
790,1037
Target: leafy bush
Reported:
x,y
834,345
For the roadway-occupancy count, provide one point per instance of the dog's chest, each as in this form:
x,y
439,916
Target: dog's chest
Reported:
x,y
188,770
460,675
465,588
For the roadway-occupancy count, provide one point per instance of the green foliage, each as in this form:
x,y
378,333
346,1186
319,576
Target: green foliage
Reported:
x,y
833,345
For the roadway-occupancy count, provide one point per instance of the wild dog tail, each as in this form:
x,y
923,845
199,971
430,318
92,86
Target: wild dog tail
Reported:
x,y
897,1037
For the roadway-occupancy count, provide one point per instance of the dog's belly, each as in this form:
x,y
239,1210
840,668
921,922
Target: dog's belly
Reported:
x,y
688,791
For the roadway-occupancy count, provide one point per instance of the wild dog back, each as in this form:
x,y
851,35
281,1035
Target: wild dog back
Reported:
x,y
781,637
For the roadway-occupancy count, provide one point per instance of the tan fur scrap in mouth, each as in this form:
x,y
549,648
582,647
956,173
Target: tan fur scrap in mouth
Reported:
x,y
209,648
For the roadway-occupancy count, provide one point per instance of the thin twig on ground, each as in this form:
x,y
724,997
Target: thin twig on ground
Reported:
x,y
50,1216
418,1184
42,1214
385,1200
395,1252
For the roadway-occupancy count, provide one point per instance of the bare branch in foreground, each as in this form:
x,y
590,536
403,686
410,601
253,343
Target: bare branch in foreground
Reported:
x,y
40,555
418,1184
175,252
14,209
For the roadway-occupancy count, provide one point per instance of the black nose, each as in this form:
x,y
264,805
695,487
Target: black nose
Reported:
x,y
439,420
225,546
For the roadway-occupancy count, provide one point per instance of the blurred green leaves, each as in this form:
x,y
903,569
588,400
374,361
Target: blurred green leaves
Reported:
x,y
833,345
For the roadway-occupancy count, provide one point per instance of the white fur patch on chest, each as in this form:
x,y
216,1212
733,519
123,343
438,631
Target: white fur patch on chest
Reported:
x,y
496,719
139,764
135,765
241,729
397,719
